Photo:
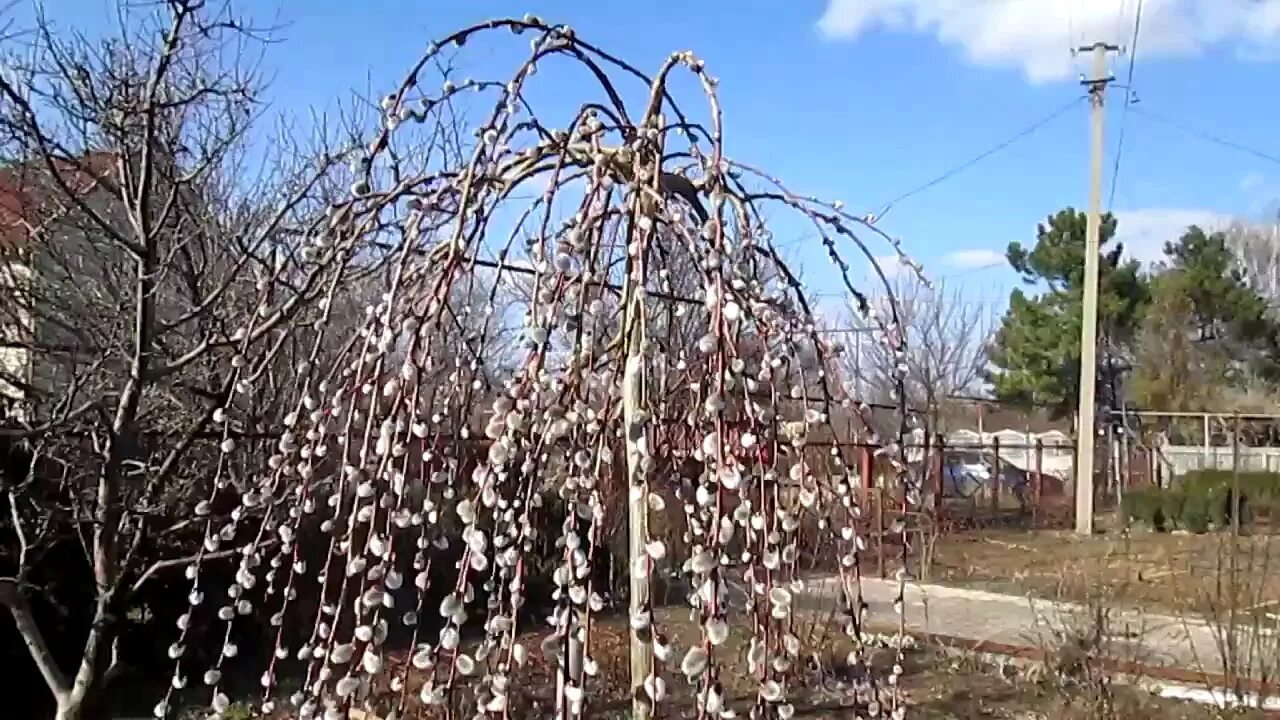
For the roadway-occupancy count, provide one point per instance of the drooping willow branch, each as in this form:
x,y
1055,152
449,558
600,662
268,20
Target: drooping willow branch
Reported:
x,y
425,475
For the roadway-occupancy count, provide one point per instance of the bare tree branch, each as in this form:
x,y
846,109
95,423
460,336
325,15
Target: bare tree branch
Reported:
x,y
947,336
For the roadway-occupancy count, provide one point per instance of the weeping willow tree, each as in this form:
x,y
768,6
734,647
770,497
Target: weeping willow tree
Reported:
x,y
411,487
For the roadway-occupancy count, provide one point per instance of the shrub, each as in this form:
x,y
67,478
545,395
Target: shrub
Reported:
x,y
1203,499
1172,501
1144,505
1258,491
1197,510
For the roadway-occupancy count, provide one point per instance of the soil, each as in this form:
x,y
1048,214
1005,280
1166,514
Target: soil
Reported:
x,y
1158,572
935,686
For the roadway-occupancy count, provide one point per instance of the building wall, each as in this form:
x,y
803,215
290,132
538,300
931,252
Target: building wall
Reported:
x,y
1017,448
1181,459
16,327
62,269
83,289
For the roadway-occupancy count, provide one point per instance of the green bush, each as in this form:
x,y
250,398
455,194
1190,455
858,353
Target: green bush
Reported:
x,y
1198,511
1145,505
1172,502
1218,499
1259,491
1203,499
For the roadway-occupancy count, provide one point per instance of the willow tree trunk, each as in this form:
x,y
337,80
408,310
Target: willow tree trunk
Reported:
x,y
637,503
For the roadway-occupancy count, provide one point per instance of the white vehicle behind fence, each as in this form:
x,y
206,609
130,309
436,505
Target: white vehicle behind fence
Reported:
x,y
968,473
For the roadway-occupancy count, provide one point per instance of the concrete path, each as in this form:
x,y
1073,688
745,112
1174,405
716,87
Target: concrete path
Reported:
x,y
1132,636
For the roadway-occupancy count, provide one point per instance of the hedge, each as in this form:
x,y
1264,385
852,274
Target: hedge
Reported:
x,y
1203,499
1259,491
1145,505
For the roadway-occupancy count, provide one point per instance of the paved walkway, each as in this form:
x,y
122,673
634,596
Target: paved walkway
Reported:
x,y
977,616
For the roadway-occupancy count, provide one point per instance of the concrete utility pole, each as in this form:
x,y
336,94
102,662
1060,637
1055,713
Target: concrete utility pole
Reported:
x,y
1086,430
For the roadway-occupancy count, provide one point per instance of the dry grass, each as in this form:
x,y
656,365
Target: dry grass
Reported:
x,y
936,686
961,689
608,694
1156,572
1152,571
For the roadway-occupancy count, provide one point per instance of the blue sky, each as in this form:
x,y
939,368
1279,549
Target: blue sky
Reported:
x,y
863,100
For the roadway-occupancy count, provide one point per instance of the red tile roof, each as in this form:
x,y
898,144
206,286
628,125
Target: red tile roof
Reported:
x,y
21,191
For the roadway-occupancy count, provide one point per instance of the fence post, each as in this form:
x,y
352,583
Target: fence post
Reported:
x,y
1204,456
1100,488
1123,472
939,467
1153,467
1037,481
1236,503
995,478
880,532
926,463
866,476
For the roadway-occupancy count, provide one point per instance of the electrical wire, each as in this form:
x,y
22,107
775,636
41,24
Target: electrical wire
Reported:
x,y
1071,33
1120,15
1208,137
977,158
1128,100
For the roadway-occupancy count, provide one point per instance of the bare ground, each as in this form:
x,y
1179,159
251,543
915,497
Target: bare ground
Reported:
x,y
935,686
1156,572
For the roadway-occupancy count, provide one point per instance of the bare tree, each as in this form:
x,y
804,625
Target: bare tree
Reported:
x,y
419,531
163,286
1256,247
1173,369
947,335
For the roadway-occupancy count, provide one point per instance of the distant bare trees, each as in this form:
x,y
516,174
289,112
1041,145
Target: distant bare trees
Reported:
x,y
1256,247
947,335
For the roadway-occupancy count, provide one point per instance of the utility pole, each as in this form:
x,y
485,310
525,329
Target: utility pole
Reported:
x,y
1086,427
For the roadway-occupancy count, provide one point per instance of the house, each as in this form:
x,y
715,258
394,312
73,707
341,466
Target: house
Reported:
x,y
69,281
51,263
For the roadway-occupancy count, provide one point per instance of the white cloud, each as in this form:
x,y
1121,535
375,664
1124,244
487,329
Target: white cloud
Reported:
x,y
891,265
1035,35
975,259
1145,231
1252,181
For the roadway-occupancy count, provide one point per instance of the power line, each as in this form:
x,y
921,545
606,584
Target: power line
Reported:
x,y
978,158
965,272
1120,16
1071,32
1208,137
1128,100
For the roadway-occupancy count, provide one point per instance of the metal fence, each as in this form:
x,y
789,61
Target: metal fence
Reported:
x,y
1157,448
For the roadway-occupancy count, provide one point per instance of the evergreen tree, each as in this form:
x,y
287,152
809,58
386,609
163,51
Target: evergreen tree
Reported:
x,y
1208,331
1035,355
